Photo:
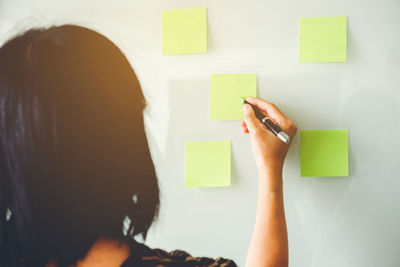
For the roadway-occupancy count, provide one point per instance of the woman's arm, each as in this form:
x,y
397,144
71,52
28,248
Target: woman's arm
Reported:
x,y
269,243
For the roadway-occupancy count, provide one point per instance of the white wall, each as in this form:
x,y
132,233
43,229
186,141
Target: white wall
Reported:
x,y
346,222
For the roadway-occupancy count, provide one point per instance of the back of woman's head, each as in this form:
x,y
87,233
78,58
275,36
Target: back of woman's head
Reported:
x,y
73,149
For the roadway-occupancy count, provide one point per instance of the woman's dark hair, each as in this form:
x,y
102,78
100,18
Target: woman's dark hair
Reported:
x,y
74,158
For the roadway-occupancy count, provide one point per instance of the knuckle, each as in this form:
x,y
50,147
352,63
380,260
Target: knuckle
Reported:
x,y
290,126
287,123
293,126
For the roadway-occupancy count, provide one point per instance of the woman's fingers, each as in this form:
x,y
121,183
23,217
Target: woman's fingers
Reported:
x,y
270,110
244,127
252,123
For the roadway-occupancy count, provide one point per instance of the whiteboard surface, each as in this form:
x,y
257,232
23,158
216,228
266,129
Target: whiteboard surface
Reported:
x,y
352,221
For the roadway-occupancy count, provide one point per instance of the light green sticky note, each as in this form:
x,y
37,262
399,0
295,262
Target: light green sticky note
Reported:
x,y
184,31
208,164
226,90
323,39
324,153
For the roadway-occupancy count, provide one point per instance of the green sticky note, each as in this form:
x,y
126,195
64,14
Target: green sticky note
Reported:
x,y
184,31
226,90
323,39
208,164
324,153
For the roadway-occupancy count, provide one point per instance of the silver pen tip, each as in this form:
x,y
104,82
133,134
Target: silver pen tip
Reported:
x,y
242,99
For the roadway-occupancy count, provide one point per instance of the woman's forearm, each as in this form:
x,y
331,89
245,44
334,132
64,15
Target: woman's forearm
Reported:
x,y
269,244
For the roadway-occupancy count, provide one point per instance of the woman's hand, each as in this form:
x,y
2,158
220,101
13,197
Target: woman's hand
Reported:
x,y
268,150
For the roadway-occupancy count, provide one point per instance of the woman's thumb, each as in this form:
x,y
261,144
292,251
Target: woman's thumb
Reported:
x,y
249,117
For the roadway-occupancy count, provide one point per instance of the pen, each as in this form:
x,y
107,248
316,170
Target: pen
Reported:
x,y
274,128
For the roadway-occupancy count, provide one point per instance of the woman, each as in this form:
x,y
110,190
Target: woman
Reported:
x,y
75,162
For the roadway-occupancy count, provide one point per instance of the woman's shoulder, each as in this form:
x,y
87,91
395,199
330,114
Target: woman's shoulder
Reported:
x,y
142,255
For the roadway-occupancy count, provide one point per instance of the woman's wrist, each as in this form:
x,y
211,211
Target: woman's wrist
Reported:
x,y
270,168
270,179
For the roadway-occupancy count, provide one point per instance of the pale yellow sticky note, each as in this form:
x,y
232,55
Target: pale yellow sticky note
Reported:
x,y
323,39
208,164
226,91
324,153
184,31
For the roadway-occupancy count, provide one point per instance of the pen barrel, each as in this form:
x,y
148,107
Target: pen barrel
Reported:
x,y
275,129
272,126
258,113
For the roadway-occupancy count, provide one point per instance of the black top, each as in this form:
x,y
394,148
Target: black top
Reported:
x,y
142,255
